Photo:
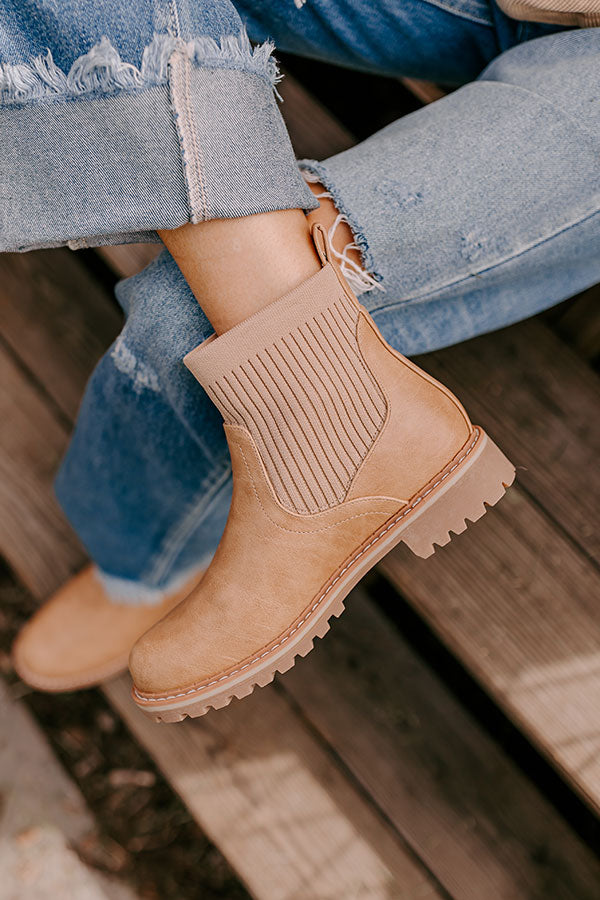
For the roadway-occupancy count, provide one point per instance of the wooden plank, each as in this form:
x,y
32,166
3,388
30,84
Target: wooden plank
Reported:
x,y
35,537
276,803
55,322
45,824
540,401
35,789
425,91
517,603
129,259
49,293
438,777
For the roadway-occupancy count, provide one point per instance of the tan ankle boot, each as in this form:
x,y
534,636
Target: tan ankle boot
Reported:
x,y
80,637
341,448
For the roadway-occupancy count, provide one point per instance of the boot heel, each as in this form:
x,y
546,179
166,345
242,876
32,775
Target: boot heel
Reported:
x,y
478,482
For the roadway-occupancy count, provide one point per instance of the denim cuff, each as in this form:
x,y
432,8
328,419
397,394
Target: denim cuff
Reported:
x,y
128,592
109,153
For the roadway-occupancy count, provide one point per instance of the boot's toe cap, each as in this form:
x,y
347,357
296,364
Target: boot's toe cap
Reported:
x,y
146,665
162,661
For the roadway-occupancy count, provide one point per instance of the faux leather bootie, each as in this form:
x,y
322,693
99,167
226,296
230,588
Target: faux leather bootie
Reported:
x,y
80,637
341,448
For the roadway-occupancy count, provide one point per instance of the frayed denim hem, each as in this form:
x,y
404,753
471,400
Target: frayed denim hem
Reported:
x,y
108,150
102,71
318,171
135,593
357,278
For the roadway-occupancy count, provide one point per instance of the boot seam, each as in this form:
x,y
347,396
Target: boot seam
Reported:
x,y
310,531
425,376
354,558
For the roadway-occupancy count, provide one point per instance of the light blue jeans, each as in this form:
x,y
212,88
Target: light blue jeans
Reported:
x,y
472,213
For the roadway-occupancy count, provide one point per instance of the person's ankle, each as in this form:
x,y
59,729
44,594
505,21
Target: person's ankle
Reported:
x,y
236,267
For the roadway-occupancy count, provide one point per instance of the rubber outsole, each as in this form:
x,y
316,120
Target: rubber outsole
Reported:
x,y
460,495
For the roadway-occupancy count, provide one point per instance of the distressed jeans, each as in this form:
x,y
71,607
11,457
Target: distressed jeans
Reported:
x,y
472,213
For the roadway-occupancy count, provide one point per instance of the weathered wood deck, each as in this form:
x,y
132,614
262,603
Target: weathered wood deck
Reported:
x,y
361,773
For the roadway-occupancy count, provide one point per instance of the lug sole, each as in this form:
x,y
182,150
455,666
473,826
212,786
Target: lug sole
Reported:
x,y
460,495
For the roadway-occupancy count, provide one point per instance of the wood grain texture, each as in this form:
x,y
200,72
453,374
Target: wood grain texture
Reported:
x,y
35,537
45,824
425,91
540,401
517,602
449,789
272,798
49,294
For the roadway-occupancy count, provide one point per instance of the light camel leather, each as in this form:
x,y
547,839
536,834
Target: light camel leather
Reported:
x,y
269,565
582,13
80,637
425,427
277,554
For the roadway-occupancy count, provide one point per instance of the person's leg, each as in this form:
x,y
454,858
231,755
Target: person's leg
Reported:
x,y
116,122
146,484
141,390
237,266
119,120
275,581
482,208
340,449
147,121
146,360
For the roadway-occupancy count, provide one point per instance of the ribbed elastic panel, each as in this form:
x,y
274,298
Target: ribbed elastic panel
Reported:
x,y
294,377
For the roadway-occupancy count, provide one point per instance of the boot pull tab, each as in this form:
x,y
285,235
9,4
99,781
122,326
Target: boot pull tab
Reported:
x,y
321,241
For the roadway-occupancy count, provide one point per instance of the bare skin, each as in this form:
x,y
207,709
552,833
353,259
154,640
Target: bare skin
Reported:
x,y
235,267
